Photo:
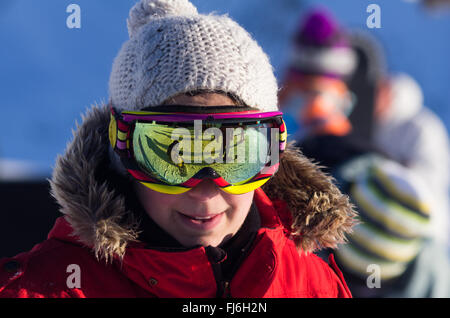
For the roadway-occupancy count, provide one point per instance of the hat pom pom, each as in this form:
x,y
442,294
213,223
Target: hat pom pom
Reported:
x,y
319,28
147,10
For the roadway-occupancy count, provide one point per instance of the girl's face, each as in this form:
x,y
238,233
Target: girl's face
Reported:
x,y
205,215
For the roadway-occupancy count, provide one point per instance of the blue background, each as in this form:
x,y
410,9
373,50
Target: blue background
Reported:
x,y
50,74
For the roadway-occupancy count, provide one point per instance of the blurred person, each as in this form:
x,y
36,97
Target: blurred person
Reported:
x,y
324,60
321,59
394,201
392,252
337,101
415,136
395,206
403,128
139,222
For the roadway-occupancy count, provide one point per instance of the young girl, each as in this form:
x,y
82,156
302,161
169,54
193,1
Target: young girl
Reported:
x,y
147,215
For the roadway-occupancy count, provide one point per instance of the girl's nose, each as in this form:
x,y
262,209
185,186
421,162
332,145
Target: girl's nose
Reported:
x,y
204,191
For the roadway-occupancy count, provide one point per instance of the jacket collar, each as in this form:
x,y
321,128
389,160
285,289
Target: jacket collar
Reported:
x,y
320,215
173,272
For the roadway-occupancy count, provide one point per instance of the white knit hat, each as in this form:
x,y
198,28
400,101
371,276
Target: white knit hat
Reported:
x,y
172,50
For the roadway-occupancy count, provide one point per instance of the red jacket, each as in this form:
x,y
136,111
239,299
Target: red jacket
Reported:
x,y
97,242
274,268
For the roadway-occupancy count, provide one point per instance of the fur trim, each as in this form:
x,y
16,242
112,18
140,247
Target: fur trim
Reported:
x,y
321,214
97,213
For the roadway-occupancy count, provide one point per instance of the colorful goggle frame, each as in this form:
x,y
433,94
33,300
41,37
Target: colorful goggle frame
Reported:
x,y
140,138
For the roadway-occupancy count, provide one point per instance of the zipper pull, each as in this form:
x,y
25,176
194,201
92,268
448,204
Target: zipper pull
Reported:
x,y
226,290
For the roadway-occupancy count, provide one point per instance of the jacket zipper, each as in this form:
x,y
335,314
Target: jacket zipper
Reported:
x,y
226,290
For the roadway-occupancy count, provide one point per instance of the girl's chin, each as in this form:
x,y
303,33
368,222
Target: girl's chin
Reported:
x,y
211,239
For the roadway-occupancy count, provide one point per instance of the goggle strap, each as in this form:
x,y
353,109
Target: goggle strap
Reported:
x,y
119,133
140,176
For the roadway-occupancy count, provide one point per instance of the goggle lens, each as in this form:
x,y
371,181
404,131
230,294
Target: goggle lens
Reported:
x,y
176,154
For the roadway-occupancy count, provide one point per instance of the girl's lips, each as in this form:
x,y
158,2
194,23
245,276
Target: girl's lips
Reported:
x,y
202,223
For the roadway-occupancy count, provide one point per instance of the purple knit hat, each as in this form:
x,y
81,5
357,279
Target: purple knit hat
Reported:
x,y
321,47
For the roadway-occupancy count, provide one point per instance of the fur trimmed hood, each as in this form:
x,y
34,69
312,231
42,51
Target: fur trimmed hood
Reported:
x,y
321,214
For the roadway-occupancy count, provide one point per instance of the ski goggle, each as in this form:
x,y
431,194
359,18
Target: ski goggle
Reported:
x,y
171,149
